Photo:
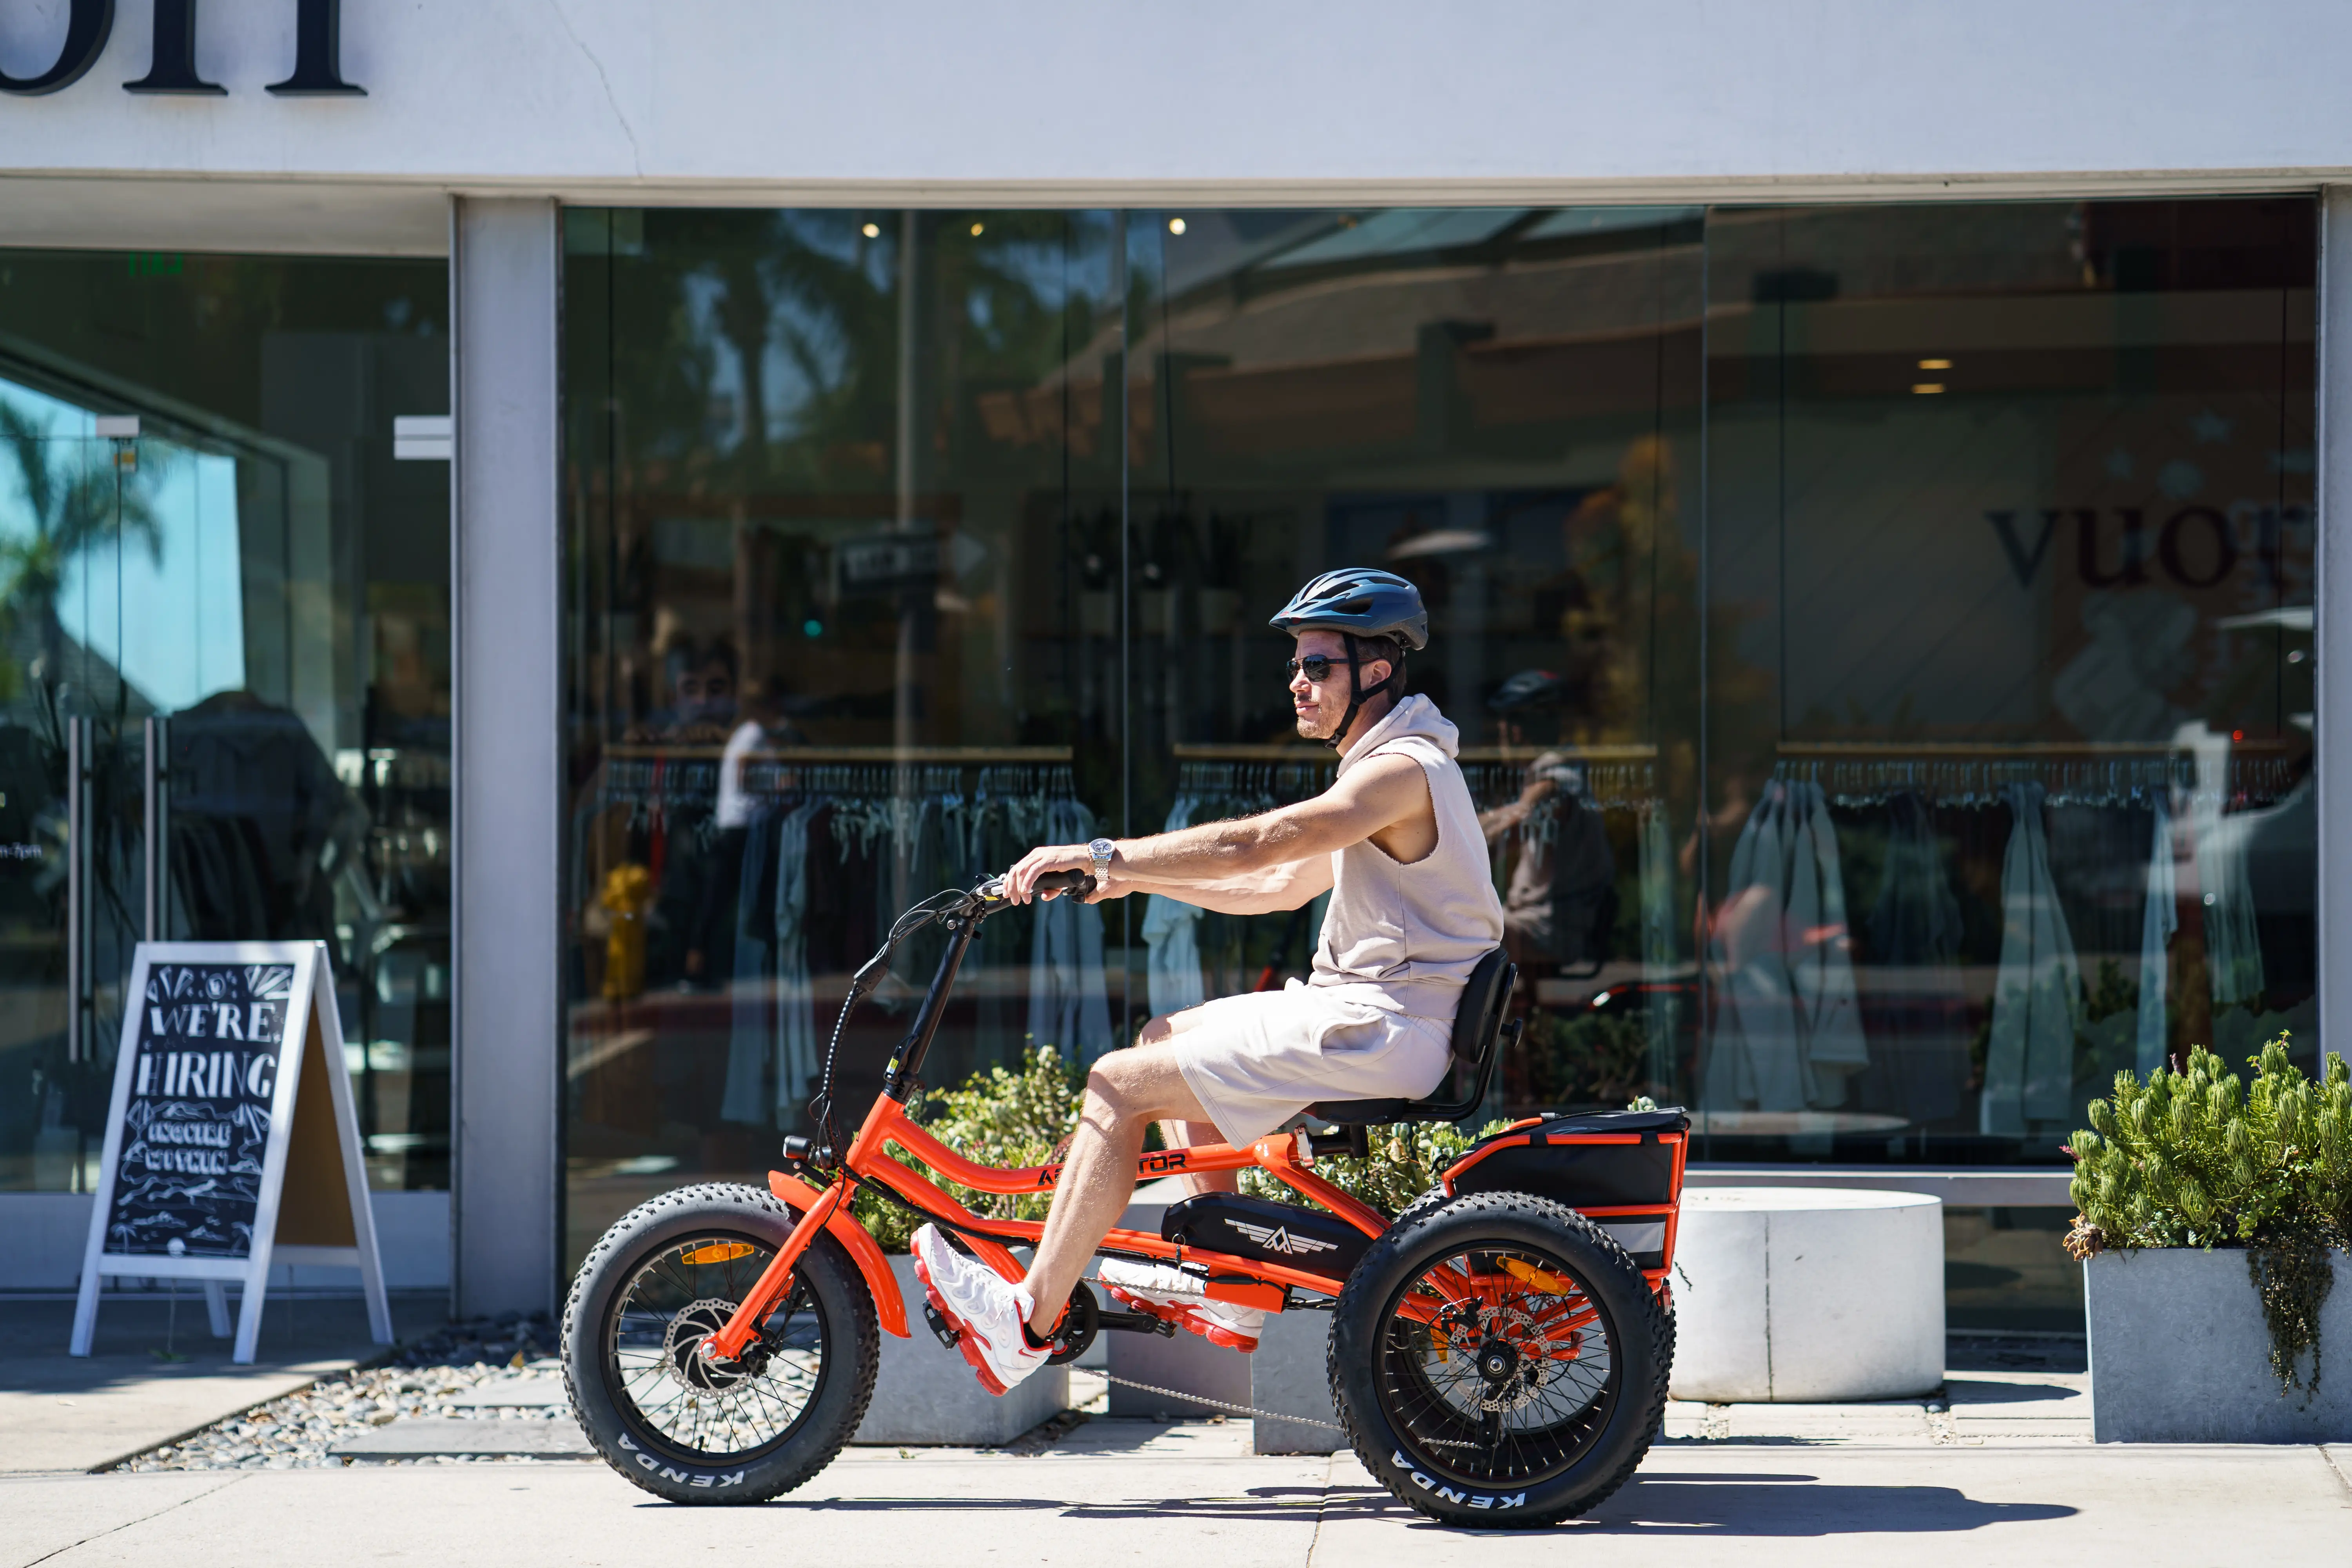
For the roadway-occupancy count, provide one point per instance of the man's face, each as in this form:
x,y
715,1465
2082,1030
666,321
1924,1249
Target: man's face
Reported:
x,y
706,695
1321,705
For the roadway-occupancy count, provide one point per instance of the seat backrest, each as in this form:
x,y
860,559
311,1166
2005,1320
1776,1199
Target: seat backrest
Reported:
x,y
1485,999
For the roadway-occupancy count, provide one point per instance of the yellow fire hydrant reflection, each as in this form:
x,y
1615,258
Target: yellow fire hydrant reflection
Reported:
x,y
627,890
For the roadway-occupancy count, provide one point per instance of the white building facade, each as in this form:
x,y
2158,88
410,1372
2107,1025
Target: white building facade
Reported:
x,y
591,506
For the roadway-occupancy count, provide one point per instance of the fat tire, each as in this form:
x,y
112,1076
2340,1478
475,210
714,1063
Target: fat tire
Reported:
x,y
1643,1347
850,1365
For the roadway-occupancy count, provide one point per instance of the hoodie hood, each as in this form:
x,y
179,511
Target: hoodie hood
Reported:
x,y
1416,715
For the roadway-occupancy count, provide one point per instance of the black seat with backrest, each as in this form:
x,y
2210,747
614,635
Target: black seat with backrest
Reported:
x,y
1480,1036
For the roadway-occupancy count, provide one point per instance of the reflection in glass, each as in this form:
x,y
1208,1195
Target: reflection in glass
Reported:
x,y
1826,777
2011,514
223,688
846,632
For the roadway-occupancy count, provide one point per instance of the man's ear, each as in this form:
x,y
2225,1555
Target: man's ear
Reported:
x,y
1387,669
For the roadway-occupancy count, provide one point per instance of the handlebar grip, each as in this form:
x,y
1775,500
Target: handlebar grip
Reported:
x,y
1081,883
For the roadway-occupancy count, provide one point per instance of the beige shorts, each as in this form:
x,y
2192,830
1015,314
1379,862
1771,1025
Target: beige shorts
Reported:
x,y
1255,1061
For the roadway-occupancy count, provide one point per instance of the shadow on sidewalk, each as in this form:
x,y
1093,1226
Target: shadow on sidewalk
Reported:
x,y
1797,1505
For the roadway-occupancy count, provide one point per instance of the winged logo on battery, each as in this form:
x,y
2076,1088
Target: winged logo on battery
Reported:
x,y
1277,1238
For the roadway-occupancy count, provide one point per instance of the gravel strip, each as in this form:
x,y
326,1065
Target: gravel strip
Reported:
x,y
421,1379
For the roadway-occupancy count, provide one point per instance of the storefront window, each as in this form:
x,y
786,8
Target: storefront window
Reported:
x,y
1848,617
2010,526
846,614
224,667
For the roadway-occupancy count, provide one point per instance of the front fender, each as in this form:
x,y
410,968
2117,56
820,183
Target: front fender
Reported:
x,y
844,1228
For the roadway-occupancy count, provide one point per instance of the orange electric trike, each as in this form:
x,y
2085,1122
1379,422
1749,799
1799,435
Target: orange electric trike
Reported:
x,y
1498,1351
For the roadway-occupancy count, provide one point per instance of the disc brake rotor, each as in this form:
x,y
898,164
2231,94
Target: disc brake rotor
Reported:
x,y
682,1347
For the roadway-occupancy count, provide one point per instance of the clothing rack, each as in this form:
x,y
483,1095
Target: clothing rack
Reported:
x,y
2089,773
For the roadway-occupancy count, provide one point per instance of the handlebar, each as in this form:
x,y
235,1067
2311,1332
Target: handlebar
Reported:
x,y
1078,883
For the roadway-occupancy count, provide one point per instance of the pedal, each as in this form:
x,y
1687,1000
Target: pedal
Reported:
x,y
949,1334
1136,1323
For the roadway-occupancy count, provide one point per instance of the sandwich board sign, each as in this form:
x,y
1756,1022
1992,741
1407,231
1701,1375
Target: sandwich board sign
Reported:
x,y
231,1143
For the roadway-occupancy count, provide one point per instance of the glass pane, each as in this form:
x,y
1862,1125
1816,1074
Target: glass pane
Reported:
x,y
1501,404
68,712
257,579
2010,727
843,610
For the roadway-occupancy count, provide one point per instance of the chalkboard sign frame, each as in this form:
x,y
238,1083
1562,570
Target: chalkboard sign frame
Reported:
x,y
313,1036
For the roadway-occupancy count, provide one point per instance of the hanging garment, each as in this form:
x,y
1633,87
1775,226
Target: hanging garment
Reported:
x,y
1170,941
2159,921
2037,995
1821,951
1659,1011
1920,1029
1787,1023
745,1097
1069,1008
796,1042
1753,1049
2234,950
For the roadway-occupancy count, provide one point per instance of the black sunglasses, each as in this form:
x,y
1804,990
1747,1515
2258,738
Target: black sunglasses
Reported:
x,y
1317,667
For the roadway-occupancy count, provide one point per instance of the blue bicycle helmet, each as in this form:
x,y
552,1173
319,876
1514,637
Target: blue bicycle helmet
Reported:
x,y
1360,602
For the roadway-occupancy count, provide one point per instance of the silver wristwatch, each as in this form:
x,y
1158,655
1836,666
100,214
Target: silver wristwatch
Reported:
x,y
1102,849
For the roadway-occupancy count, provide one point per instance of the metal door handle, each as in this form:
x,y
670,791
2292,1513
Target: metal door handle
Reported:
x,y
78,739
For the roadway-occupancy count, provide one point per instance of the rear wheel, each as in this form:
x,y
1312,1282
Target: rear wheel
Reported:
x,y
1499,1360
666,1278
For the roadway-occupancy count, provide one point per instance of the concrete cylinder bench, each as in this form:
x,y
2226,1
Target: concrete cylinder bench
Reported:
x,y
1808,1295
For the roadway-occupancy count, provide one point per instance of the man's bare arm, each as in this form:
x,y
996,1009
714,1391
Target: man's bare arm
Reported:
x,y
1270,892
1384,791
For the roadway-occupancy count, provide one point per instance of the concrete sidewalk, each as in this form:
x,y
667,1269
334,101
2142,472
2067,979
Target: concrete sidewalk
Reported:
x,y
70,1413
1727,1503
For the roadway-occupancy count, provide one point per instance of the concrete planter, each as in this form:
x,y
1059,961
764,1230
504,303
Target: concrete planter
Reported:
x,y
2179,1353
927,1393
1290,1372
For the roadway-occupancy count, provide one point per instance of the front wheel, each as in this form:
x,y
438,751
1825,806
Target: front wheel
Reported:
x,y
664,1279
1497,1360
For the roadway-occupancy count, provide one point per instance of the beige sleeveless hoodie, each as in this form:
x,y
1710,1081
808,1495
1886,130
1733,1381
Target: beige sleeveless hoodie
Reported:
x,y
1413,932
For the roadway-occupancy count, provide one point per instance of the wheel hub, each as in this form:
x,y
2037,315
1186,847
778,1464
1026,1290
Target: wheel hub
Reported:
x,y
682,1347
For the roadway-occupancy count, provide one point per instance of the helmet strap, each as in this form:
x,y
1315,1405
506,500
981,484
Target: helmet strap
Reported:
x,y
1393,687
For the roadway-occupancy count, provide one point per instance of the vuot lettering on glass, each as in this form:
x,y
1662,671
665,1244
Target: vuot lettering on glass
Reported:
x,y
171,64
2196,546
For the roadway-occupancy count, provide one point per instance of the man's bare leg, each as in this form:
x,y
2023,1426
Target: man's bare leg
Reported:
x,y
1125,1092
1192,1135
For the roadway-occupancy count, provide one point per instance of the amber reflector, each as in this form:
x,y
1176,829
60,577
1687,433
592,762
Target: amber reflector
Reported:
x,y
718,1252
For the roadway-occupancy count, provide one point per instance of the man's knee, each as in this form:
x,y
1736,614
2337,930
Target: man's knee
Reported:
x,y
1130,1085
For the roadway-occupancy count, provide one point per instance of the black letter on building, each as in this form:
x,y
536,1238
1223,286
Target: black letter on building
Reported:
x,y
318,54
2225,547
2026,565
171,67
88,22
2131,569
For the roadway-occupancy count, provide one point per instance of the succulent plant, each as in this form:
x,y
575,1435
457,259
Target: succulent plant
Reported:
x,y
2202,1158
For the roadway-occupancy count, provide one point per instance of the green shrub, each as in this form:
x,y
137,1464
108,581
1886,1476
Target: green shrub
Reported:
x,y
1007,1117
1403,1162
2203,1158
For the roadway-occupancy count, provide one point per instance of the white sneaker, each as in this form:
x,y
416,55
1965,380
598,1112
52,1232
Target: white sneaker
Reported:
x,y
985,1309
1166,1293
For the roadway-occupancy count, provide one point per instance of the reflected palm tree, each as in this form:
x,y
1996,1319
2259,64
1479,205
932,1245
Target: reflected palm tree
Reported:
x,y
74,501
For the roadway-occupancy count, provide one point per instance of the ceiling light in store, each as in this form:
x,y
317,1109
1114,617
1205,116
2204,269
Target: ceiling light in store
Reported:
x,y
976,229
1935,364
873,231
1926,388
1175,225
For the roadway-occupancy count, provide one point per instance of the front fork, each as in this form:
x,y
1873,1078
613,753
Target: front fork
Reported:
x,y
729,1342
